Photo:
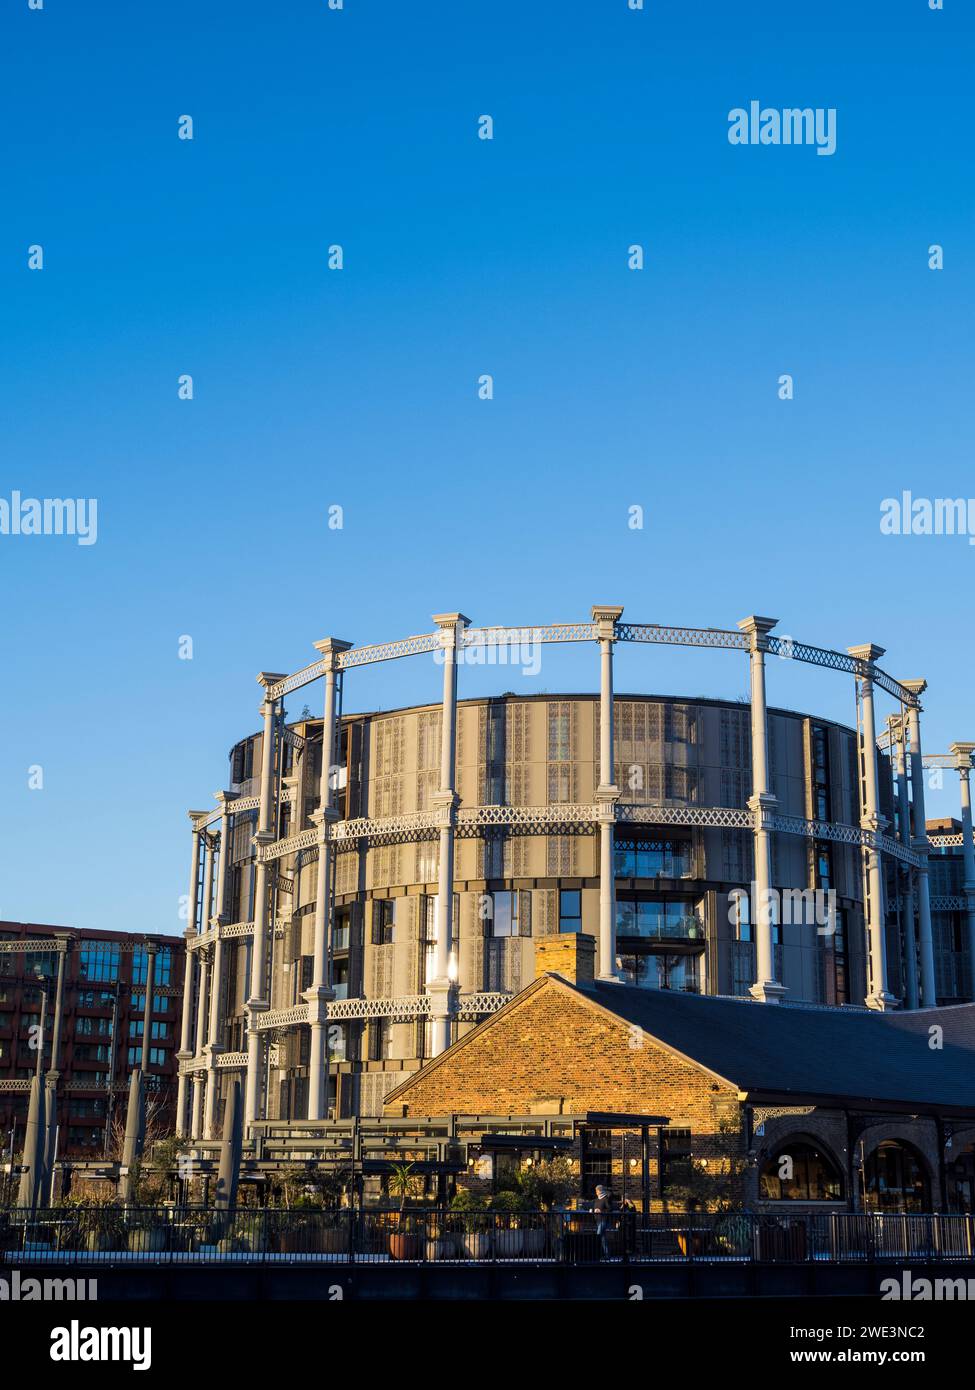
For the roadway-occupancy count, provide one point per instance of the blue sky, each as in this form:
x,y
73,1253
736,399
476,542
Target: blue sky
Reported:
x,y
358,387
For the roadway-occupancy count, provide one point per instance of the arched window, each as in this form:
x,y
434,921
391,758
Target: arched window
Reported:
x,y
800,1172
960,1171
895,1179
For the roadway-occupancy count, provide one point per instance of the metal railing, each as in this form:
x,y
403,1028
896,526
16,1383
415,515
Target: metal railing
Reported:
x,y
175,1235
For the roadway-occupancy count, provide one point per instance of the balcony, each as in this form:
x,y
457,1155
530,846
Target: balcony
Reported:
x,y
659,920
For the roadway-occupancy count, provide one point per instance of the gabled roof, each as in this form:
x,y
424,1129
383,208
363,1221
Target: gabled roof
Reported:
x,y
788,1050
805,1050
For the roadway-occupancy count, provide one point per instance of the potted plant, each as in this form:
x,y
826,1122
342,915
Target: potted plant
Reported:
x,y
544,1186
508,1237
145,1232
440,1242
404,1239
475,1237
335,1232
104,1226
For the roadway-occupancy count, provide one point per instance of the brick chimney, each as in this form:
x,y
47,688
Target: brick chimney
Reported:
x,y
570,954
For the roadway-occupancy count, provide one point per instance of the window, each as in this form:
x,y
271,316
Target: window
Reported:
x,y
98,960
659,918
836,962
342,929
161,1032
383,921
504,913
739,904
799,1172
84,1137
895,1180
93,1027
597,1159
675,1163
653,858
95,999
164,966
160,1003
570,910
380,1039
340,979
662,970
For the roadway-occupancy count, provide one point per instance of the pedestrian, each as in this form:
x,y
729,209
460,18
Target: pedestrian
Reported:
x,y
602,1208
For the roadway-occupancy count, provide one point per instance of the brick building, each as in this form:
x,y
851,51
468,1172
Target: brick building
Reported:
x,y
800,1106
103,989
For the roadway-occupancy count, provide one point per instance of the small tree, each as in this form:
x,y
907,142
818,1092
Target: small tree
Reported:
x,y
402,1183
549,1183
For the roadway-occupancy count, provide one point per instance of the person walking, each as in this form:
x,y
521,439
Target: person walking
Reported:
x,y
602,1207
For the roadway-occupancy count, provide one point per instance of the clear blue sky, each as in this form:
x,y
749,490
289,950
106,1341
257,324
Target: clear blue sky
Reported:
x,y
358,388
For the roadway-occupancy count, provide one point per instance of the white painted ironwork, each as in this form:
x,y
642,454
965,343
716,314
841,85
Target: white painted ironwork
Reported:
x,y
281,1018
946,903
471,1006
681,636
713,816
231,1061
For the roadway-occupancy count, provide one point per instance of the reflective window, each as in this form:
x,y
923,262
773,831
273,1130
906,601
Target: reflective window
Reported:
x,y
659,918
570,910
798,1172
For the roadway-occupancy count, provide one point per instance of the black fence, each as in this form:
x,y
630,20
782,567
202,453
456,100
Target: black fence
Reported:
x,y
173,1235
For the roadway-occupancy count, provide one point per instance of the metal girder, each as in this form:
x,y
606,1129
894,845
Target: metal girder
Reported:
x,y
59,945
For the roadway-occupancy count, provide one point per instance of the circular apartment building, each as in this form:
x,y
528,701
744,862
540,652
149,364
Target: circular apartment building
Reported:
x,y
352,914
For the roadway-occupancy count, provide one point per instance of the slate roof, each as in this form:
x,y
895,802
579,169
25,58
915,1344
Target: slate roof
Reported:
x,y
795,1050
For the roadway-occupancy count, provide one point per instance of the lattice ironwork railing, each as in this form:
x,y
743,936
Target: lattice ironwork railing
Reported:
x,y
47,944
231,1061
717,817
943,902
682,636
585,632
281,1018
237,929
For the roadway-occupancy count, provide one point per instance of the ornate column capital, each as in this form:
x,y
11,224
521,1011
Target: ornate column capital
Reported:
x,y
451,627
606,616
963,756
330,648
915,688
757,629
